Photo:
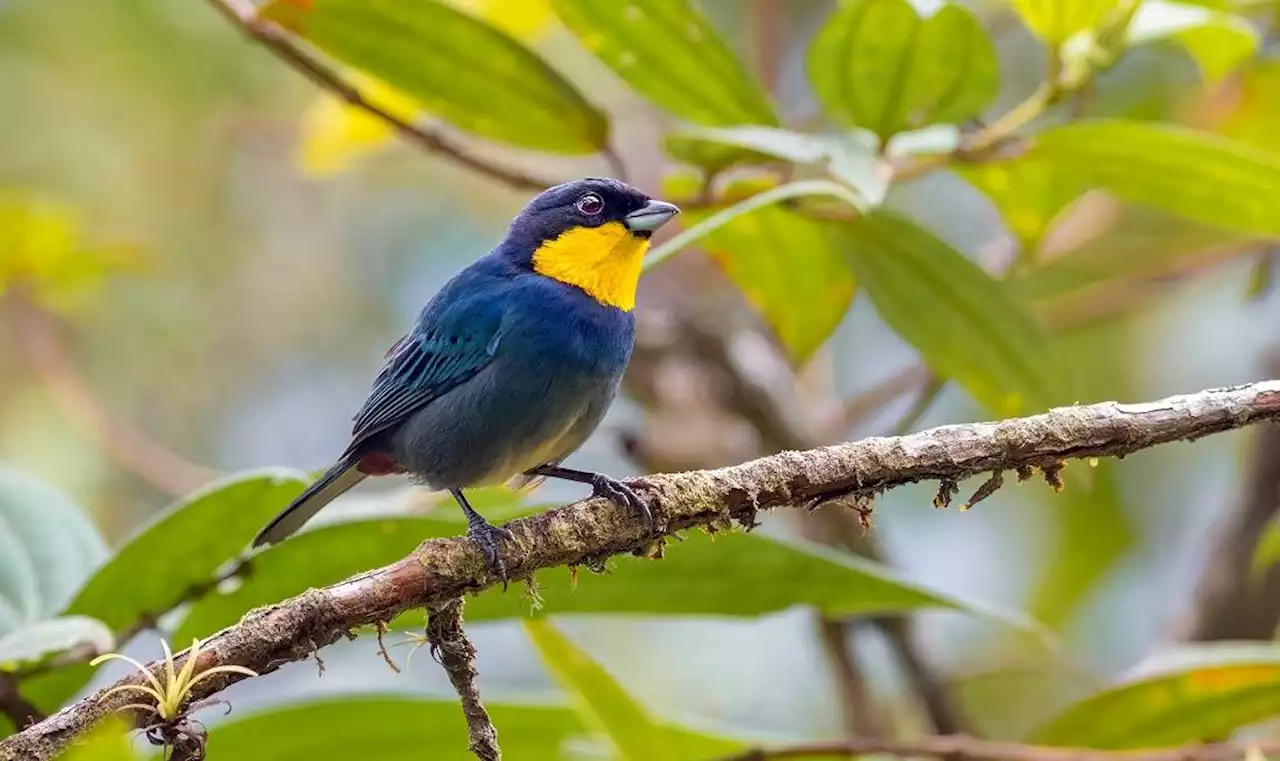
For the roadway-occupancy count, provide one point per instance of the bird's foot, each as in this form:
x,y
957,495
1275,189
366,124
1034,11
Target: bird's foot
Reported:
x,y
490,538
621,494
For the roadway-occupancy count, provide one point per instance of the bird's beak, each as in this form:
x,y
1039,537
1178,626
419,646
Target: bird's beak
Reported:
x,y
650,217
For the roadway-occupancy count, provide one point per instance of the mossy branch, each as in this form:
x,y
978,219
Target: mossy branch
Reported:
x,y
442,570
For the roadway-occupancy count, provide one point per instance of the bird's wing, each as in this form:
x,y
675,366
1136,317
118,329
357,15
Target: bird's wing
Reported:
x,y
452,341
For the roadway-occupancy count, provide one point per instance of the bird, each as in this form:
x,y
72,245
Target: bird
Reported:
x,y
510,366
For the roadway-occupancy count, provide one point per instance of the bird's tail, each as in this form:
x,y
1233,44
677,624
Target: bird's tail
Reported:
x,y
335,481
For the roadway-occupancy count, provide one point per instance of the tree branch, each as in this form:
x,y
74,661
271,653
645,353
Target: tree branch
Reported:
x,y
586,532
963,747
450,646
36,333
19,710
1231,600
243,14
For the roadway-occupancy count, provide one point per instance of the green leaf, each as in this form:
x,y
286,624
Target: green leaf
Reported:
x,y
1217,41
108,741
1026,190
185,546
1056,20
1267,551
55,635
966,326
877,64
456,66
390,728
671,54
769,197
1193,693
732,574
317,558
598,699
401,728
48,546
850,159
791,268
1193,174
1255,107
710,156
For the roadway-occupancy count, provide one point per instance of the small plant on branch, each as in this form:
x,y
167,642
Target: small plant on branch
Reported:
x,y
173,728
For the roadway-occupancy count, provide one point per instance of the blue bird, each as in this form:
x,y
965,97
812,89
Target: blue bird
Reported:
x,y
512,365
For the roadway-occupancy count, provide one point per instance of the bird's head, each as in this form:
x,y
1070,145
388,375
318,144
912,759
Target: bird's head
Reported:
x,y
591,233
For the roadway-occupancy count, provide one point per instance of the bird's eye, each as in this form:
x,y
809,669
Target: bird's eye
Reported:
x,y
590,204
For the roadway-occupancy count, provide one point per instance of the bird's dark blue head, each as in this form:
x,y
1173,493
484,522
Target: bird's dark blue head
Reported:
x,y
591,234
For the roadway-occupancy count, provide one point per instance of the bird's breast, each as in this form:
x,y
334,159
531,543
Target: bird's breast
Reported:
x,y
562,329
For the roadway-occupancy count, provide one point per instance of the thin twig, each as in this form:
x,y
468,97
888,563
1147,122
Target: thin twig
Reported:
x,y
442,570
451,648
861,716
36,332
17,708
243,14
963,747
1233,600
864,405
928,395
616,164
382,647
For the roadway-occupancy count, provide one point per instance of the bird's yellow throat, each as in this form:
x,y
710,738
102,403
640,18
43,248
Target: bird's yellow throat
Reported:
x,y
604,261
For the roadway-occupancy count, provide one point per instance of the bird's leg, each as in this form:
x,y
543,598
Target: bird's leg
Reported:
x,y
487,535
602,486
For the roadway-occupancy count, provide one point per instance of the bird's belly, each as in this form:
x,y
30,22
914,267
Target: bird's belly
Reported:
x,y
553,449
501,423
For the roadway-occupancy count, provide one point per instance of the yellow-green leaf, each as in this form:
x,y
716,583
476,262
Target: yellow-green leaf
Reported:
x,y
1199,692
335,134
1267,551
1026,190
458,67
670,53
791,268
598,699
966,326
1216,40
43,246
107,741
1056,20
877,64
1193,174
1255,114
523,19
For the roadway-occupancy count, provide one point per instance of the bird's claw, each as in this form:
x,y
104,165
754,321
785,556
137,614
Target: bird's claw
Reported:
x,y
621,494
490,538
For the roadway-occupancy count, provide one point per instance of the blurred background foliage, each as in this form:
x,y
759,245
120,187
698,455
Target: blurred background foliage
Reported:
x,y
202,257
